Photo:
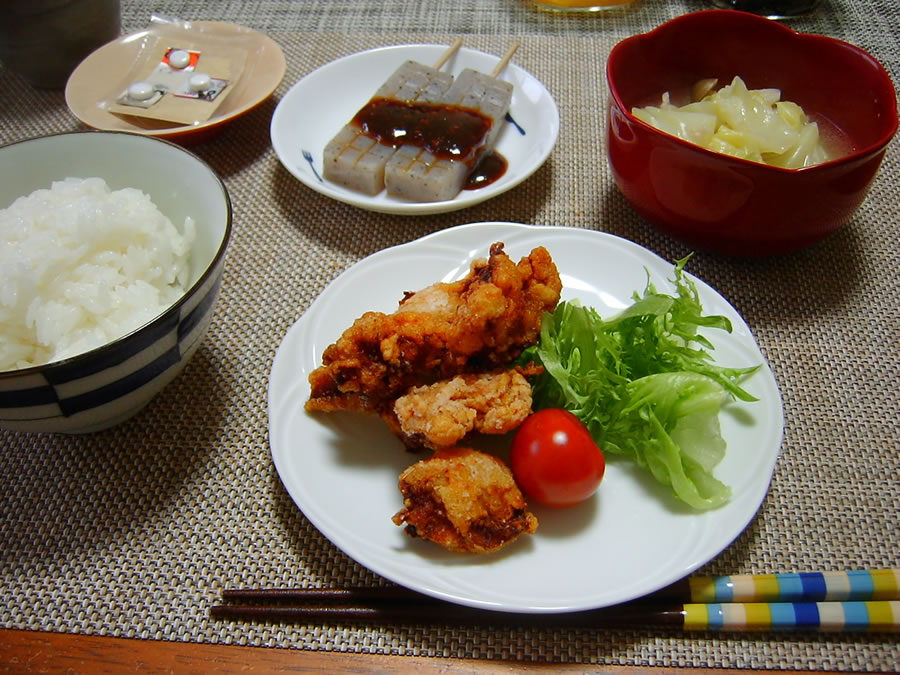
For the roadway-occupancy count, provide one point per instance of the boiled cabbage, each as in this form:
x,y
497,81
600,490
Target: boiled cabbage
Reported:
x,y
753,124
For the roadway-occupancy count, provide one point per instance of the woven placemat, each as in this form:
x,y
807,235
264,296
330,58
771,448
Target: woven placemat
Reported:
x,y
133,531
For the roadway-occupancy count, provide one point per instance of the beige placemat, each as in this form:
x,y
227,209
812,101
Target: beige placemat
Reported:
x,y
133,531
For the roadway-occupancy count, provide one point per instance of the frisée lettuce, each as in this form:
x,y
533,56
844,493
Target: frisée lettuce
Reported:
x,y
645,384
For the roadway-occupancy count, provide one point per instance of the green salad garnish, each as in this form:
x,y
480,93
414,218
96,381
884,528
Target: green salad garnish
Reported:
x,y
645,384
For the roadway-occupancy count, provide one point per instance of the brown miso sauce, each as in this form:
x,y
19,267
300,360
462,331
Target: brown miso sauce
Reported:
x,y
447,131
488,170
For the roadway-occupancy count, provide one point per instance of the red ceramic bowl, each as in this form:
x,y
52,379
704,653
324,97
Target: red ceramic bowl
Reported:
x,y
731,206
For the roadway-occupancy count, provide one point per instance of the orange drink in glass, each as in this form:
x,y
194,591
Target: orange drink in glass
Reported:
x,y
583,5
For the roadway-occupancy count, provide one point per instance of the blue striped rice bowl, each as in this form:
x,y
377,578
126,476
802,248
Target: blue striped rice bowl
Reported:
x,y
107,385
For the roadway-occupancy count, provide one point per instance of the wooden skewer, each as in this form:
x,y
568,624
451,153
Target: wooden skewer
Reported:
x,y
505,60
451,50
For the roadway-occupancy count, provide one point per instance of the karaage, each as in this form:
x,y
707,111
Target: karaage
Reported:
x,y
463,500
477,324
440,415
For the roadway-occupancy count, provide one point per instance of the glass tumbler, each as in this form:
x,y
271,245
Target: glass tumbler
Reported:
x,y
773,9
582,5
44,40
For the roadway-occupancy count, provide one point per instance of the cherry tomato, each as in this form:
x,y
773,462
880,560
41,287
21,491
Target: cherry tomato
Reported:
x,y
554,459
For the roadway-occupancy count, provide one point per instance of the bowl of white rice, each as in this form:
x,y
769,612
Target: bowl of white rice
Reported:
x,y
112,247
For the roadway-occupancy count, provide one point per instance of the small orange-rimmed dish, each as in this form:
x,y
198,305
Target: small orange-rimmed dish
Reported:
x,y
96,77
725,204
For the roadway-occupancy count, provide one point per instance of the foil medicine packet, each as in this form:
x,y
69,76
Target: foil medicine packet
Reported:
x,y
183,84
208,91
176,73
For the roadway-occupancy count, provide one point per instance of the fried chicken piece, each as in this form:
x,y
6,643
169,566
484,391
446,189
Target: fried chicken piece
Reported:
x,y
440,415
463,500
477,324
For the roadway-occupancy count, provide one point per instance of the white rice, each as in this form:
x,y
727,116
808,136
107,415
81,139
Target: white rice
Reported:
x,y
81,265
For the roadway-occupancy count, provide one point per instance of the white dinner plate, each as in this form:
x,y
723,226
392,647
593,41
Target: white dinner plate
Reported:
x,y
316,108
628,540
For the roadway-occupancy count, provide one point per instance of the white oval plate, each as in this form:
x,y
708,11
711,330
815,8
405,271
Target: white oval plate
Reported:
x,y
628,540
316,108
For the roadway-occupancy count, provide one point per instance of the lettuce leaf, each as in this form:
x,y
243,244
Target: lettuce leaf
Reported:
x,y
645,384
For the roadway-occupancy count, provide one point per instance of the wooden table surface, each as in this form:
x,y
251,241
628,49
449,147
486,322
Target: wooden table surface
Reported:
x,y
39,652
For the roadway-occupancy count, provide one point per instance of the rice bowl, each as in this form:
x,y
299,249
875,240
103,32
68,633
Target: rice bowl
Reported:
x,y
109,383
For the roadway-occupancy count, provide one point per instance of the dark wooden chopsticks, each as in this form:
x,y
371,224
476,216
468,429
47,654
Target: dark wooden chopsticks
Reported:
x,y
832,601
398,605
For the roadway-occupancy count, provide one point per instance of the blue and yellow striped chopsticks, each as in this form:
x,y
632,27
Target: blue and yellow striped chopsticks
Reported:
x,y
856,616
861,600
829,616
791,587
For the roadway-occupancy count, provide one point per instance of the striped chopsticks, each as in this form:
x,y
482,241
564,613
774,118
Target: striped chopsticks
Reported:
x,y
789,587
863,600
858,601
